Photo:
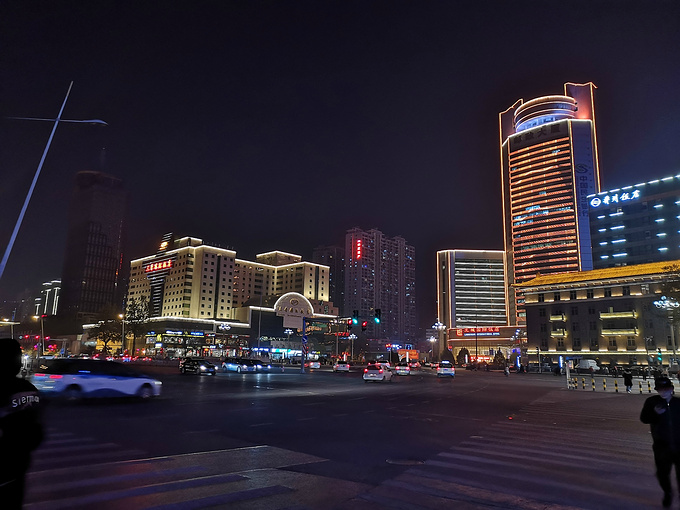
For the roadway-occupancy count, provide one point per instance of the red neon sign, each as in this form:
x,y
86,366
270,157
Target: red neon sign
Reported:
x,y
157,266
358,249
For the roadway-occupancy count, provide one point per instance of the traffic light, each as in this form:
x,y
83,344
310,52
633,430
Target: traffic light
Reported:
x,y
349,324
376,316
364,325
355,317
659,358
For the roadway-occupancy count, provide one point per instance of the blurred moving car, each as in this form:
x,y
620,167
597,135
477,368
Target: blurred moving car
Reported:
x,y
313,364
341,366
377,372
197,366
402,368
75,378
239,365
446,368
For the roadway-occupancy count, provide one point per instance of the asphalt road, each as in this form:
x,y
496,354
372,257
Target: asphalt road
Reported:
x,y
363,437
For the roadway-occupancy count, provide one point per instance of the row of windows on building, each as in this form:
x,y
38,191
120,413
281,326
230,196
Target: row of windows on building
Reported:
x,y
589,293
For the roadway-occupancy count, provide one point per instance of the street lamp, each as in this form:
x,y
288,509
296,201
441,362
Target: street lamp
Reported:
x,y
352,337
56,121
42,334
432,340
670,305
440,329
122,334
7,322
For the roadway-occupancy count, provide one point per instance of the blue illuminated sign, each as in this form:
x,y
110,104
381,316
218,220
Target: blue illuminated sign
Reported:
x,y
614,198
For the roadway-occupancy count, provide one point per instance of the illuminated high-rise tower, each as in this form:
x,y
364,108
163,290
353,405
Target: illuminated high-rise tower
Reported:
x,y
549,165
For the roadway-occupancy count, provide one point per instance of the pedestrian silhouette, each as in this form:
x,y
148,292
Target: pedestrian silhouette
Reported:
x,y
628,380
20,427
662,413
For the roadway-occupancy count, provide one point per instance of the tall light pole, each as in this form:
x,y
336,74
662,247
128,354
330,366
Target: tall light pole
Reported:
x,y
7,322
56,121
432,341
122,334
352,337
42,334
440,329
670,305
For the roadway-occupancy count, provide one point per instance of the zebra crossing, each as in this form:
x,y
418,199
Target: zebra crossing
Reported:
x,y
70,473
564,451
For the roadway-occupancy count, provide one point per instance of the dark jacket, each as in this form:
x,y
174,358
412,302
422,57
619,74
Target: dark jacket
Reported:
x,y
627,379
21,429
665,427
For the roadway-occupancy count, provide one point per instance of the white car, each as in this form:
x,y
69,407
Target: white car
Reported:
x,y
402,369
377,372
446,368
341,366
74,378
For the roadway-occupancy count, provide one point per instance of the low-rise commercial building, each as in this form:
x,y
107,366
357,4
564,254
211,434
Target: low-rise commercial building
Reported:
x,y
610,315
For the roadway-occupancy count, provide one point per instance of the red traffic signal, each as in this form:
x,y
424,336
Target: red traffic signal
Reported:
x,y
364,325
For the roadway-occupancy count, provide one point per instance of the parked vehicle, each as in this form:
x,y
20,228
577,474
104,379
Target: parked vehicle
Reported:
x,y
586,364
75,378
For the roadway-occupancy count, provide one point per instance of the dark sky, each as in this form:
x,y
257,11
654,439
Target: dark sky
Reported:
x,y
268,125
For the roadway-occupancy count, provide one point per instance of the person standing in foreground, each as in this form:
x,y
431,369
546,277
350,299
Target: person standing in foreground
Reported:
x,y
662,413
628,380
21,430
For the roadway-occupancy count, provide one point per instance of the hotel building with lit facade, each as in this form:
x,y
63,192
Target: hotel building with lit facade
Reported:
x,y
636,224
380,274
609,315
192,288
549,166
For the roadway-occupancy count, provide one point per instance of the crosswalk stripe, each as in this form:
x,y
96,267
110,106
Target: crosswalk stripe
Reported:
x,y
116,479
65,460
222,499
136,491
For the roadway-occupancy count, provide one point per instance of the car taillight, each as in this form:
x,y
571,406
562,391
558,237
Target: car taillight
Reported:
x,y
365,370
39,375
55,376
381,371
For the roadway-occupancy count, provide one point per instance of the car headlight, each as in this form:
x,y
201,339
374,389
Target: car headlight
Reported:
x,y
202,367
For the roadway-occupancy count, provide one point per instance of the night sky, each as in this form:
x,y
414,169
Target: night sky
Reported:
x,y
278,125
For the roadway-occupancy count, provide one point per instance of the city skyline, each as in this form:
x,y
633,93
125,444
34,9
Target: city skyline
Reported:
x,y
282,126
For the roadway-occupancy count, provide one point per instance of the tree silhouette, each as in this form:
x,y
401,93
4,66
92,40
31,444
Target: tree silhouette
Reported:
x,y
137,314
106,332
462,354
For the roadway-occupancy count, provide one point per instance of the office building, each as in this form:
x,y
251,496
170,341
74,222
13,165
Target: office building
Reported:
x,y
380,275
549,166
334,258
93,261
470,288
636,224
